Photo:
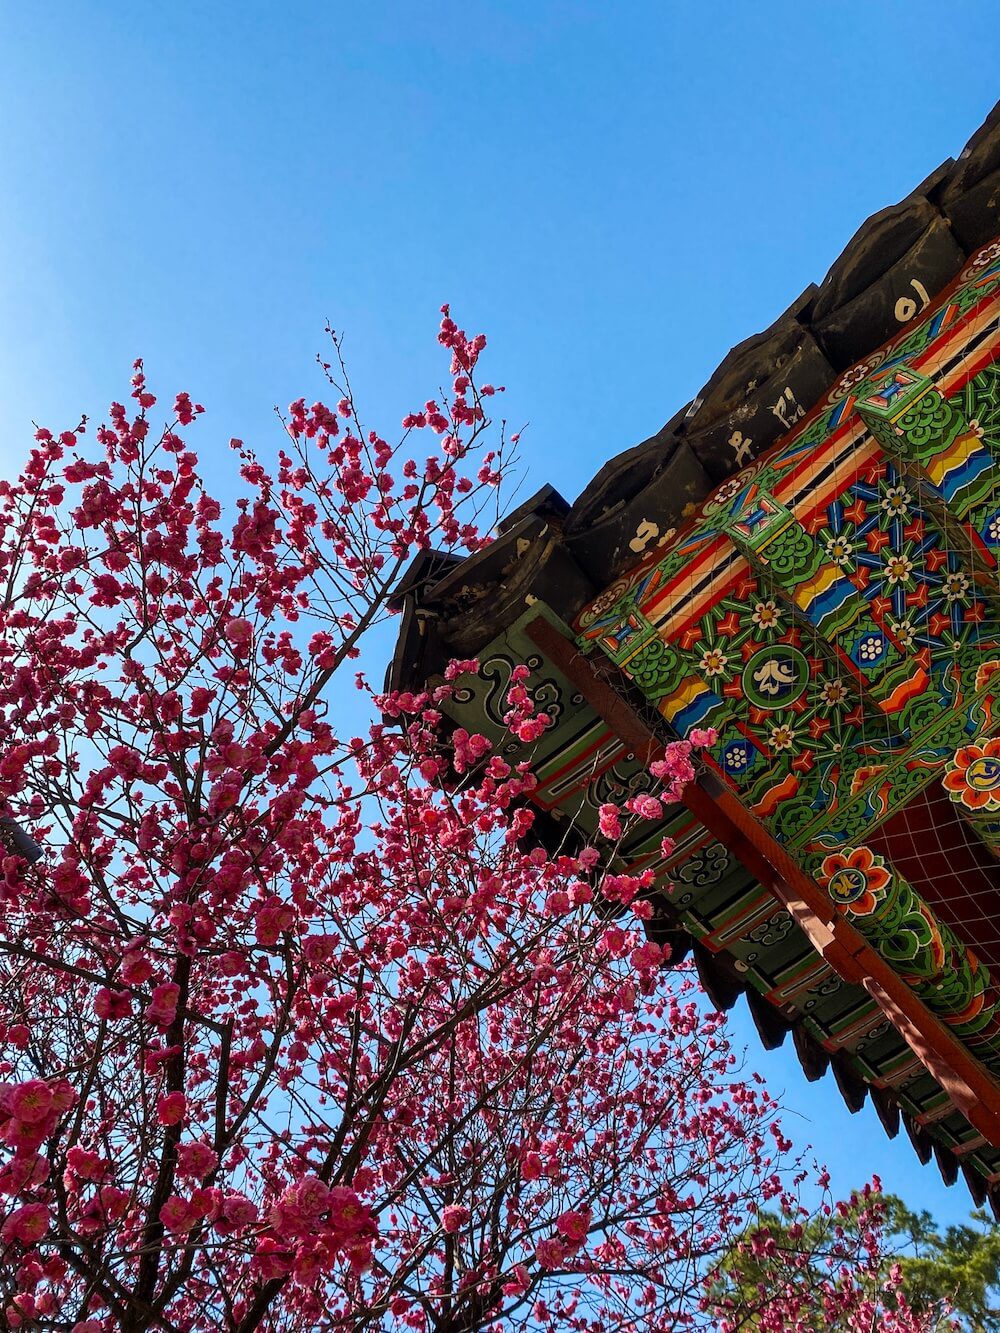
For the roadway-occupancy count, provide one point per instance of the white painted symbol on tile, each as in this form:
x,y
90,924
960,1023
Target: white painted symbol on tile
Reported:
x,y
644,534
906,307
741,446
788,409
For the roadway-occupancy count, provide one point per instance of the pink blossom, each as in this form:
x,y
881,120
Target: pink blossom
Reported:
x,y
23,1173
347,1212
179,1214
646,807
112,1005
703,736
518,1281
162,1008
84,1165
63,1094
29,1102
318,948
647,956
531,1166
574,1224
171,1108
235,1214
550,1253
529,729
135,969
271,1259
301,1205
460,667
273,918
27,1224
675,769
610,822
195,1158
239,633
200,701
454,1218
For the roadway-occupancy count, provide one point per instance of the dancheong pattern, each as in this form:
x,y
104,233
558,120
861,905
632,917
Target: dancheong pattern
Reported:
x,y
833,612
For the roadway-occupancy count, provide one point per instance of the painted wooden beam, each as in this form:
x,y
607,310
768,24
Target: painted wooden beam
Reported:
x,y
971,1088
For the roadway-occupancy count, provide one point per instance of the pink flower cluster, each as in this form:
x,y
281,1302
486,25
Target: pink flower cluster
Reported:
x,y
523,718
310,1226
227,1213
30,1111
263,942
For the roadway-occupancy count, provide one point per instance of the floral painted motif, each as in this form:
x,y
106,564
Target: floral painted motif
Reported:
x,y
765,614
973,779
736,756
839,549
856,879
834,693
903,632
713,663
956,585
898,569
855,376
896,500
983,259
871,648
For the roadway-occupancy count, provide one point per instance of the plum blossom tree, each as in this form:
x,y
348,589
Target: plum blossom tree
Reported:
x,y
864,1262
300,1030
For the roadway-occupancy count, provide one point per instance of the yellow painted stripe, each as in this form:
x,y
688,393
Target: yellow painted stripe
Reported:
x,y
825,578
688,690
958,453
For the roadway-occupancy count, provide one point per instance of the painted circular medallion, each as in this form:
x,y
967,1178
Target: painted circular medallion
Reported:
x,y
983,774
775,676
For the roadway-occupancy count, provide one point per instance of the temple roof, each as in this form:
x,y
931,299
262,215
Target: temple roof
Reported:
x,y
521,599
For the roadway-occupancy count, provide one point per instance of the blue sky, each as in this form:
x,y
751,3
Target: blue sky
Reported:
x,y
615,193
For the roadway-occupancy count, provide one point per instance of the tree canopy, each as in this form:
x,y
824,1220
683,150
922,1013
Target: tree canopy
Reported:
x,y
302,1029
949,1276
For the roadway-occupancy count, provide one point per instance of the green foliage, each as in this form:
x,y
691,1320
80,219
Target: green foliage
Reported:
x,y
950,1275
960,1265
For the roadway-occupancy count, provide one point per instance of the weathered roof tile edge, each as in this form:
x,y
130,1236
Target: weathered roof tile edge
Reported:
x,y
890,270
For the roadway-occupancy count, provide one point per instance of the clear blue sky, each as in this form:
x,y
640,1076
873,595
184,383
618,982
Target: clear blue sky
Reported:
x,y
616,193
